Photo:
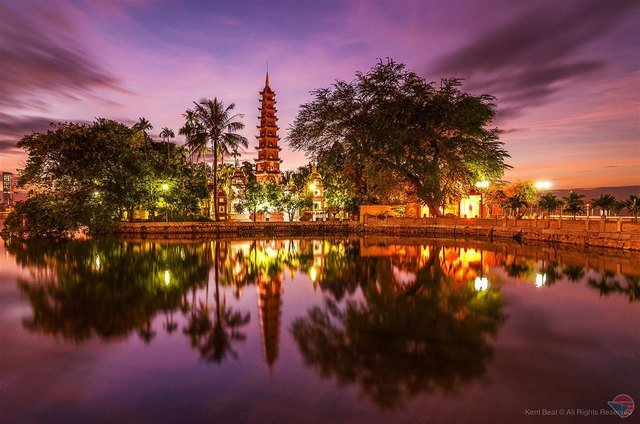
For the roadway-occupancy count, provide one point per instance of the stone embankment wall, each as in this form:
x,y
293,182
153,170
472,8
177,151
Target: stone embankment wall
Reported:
x,y
614,233
239,228
602,233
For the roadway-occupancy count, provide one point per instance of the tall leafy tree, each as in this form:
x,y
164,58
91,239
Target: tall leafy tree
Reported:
x,y
221,128
87,175
391,124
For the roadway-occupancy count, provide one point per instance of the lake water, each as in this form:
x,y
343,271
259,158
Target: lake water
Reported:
x,y
340,330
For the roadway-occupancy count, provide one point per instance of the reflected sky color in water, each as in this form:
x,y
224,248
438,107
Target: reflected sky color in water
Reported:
x,y
309,330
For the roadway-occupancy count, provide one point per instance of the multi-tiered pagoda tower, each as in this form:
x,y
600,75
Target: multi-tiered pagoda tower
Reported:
x,y
268,161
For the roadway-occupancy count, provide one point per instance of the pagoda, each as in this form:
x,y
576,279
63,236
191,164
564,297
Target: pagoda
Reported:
x,y
268,161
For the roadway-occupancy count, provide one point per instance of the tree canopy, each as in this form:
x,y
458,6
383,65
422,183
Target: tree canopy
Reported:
x,y
389,128
87,175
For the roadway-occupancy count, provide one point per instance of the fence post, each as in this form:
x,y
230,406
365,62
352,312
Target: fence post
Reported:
x,y
619,224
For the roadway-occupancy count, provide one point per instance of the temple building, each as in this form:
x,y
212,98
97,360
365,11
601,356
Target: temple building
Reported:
x,y
270,289
7,188
238,189
268,161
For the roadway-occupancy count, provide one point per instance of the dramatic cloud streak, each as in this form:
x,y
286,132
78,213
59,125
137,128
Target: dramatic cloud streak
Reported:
x,y
40,56
566,75
525,61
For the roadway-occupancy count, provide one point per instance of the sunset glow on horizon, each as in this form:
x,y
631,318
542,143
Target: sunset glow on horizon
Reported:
x,y
566,75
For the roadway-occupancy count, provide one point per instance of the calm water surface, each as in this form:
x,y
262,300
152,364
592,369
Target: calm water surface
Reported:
x,y
359,330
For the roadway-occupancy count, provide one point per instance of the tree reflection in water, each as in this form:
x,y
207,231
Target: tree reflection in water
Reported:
x,y
408,334
213,336
83,289
398,319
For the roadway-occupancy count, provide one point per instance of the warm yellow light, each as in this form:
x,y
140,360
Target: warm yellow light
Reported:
x,y
167,277
313,273
312,187
541,280
165,187
481,283
97,261
96,193
543,185
483,184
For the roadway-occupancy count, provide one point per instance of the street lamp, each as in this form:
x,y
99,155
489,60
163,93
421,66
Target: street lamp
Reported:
x,y
165,188
543,185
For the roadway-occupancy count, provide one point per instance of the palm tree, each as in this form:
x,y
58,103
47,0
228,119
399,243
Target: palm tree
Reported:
x,y
549,203
195,134
213,336
221,127
618,207
633,204
605,202
167,134
517,203
143,125
574,203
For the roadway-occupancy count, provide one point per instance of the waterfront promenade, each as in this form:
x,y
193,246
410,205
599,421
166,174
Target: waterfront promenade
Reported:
x,y
612,233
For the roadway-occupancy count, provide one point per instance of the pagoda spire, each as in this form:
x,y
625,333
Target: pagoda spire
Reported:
x,y
268,161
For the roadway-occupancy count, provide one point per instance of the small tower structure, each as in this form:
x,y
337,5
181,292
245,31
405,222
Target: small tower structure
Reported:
x,y
268,161
317,193
238,188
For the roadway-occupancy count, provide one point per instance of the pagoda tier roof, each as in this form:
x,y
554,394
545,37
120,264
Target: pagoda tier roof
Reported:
x,y
267,160
270,137
268,108
265,172
268,126
268,148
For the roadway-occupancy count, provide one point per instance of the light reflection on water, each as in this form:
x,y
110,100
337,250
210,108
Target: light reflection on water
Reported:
x,y
399,324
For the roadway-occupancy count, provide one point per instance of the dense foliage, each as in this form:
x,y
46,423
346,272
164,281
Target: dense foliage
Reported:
x,y
389,131
84,176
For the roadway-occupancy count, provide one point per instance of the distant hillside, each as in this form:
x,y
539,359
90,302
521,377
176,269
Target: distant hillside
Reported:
x,y
593,193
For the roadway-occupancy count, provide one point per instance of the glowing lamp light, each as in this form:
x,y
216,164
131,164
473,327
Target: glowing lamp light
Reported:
x,y
541,280
167,277
313,273
312,187
543,185
481,284
483,184
165,187
97,262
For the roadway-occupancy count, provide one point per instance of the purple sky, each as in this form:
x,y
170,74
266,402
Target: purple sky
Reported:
x,y
566,74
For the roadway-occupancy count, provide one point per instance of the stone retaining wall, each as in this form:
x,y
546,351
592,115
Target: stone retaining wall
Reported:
x,y
602,233
613,234
239,228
